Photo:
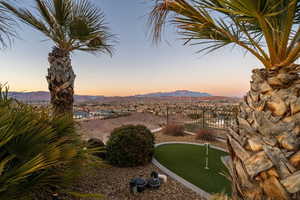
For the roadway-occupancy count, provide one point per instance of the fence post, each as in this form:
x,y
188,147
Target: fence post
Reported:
x,y
167,115
203,113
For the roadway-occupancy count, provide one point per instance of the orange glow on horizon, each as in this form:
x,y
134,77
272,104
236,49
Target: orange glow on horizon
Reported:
x,y
216,91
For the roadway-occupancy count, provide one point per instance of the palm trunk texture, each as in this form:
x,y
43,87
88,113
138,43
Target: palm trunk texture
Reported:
x,y
264,143
61,79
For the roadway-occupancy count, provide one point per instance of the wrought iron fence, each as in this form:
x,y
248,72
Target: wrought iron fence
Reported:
x,y
193,117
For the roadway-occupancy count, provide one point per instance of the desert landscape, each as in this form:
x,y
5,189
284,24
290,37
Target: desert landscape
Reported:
x,y
84,84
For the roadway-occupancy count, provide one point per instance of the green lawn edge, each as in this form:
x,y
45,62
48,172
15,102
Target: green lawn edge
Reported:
x,y
188,162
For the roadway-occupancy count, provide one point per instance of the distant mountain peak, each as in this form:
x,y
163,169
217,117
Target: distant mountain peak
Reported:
x,y
177,93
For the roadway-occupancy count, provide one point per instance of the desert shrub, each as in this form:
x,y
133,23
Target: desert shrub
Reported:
x,y
174,130
39,155
193,127
207,135
130,146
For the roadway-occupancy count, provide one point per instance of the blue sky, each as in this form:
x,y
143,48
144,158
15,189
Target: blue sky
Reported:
x,y
137,66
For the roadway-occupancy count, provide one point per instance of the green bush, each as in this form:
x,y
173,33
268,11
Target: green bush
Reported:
x,y
130,146
39,155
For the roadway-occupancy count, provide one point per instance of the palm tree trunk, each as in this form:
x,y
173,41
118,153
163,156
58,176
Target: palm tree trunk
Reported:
x,y
264,143
61,82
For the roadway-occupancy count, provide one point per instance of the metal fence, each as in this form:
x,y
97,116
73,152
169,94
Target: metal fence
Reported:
x,y
193,118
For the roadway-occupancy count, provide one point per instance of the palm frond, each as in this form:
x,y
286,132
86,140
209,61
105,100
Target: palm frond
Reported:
x,y
89,27
71,25
27,17
61,10
196,22
267,29
44,10
7,31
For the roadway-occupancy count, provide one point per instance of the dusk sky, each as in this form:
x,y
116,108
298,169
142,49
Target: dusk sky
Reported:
x,y
137,66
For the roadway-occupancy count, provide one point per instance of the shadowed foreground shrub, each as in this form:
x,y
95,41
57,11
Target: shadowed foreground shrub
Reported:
x,y
174,130
130,146
99,147
39,155
207,135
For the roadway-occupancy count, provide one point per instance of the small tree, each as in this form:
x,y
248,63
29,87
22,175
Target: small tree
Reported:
x,y
173,130
207,135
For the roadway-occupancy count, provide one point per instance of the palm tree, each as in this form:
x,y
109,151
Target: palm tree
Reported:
x,y
264,143
71,25
6,30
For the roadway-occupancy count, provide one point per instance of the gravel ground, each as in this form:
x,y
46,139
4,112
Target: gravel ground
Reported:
x,y
112,182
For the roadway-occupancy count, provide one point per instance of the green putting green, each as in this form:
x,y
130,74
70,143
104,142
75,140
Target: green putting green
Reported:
x,y
188,161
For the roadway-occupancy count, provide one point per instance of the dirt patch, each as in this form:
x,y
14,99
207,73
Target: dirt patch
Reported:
x,y
102,128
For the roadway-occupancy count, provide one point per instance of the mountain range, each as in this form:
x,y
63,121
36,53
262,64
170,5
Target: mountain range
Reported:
x,y
45,96
177,93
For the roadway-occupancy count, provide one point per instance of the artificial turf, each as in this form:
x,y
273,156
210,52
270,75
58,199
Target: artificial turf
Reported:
x,y
188,161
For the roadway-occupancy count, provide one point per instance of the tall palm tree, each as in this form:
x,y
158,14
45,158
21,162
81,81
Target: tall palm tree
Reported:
x,y
6,30
264,144
71,25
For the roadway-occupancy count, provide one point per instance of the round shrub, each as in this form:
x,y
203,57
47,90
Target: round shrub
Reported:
x,y
130,146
